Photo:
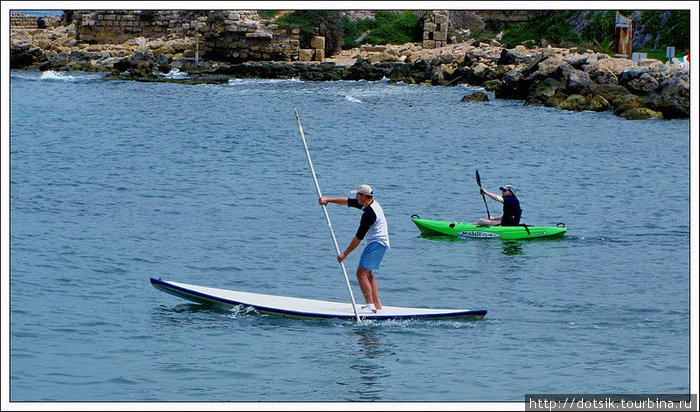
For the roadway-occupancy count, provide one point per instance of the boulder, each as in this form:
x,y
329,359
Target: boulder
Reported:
x,y
506,58
615,65
436,75
476,97
671,98
542,92
552,67
180,45
382,57
641,113
476,75
577,81
513,84
601,75
493,85
642,85
166,49
598,103
610,91
156,44
638,80
22,55
534,63
511,57
625,103
162,62
630,73
364,70
576,60
139,65
574,102
648,62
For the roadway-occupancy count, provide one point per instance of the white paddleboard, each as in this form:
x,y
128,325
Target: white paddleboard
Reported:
x,y
302,308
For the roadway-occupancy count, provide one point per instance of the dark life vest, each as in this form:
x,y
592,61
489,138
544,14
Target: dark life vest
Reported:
x,y
511,211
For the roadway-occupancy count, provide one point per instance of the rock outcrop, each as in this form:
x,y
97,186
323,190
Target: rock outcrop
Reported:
x,y
569,79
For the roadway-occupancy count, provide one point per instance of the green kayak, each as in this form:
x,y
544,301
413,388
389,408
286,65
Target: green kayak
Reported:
x,y
430,227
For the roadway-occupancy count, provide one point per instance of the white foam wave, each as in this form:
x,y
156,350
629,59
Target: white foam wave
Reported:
x,y
352,99
52,75
174,74
472,88
239,82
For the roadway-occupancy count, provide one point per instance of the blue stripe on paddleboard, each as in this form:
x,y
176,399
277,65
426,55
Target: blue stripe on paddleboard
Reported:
x,y
190,294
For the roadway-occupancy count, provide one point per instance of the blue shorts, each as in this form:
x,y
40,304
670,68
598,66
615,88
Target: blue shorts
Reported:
x,y
372,256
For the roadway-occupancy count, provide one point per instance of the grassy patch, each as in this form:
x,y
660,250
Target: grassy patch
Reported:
x,y
385,28
554,28
268,14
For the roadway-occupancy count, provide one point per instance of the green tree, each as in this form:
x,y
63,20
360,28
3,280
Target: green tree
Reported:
x,y
385,28
326,23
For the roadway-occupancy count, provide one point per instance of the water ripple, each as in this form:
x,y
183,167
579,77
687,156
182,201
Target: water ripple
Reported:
x,y
114,182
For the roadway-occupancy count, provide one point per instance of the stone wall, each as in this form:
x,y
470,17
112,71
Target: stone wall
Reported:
x,y
119,26
237,36
435,29
24,21
225,35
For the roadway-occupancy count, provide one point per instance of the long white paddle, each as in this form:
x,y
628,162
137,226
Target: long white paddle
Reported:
x,y
325,211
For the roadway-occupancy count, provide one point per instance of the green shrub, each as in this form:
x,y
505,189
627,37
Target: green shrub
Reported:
x,y
268,14
385,28
601,28
554,28
216,17
675,31
306,20
326,23
478,35
353,30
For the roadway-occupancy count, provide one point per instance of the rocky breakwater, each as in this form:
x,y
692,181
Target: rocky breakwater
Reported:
x,y
568,79
577,81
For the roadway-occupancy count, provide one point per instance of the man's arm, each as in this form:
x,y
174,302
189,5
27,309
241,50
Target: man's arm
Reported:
x,y
493,196
353,244
337,200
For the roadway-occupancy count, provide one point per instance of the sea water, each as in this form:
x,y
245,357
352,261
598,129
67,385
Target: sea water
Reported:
x,y
115,182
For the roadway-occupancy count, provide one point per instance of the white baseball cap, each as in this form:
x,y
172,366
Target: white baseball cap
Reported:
x,y
364,189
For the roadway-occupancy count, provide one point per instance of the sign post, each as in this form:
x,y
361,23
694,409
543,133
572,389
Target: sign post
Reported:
x,y
670,53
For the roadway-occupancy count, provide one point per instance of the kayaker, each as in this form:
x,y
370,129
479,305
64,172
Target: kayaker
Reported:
x,y
375,231
511,208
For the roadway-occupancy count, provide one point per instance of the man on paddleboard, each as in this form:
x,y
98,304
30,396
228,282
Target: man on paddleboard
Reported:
x,y
511,208
375,231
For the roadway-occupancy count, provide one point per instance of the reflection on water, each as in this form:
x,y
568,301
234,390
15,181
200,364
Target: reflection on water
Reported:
x,y
511,247
370,358
370,342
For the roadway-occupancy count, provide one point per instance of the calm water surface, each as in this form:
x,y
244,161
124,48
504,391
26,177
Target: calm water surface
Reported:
x,y
115,182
